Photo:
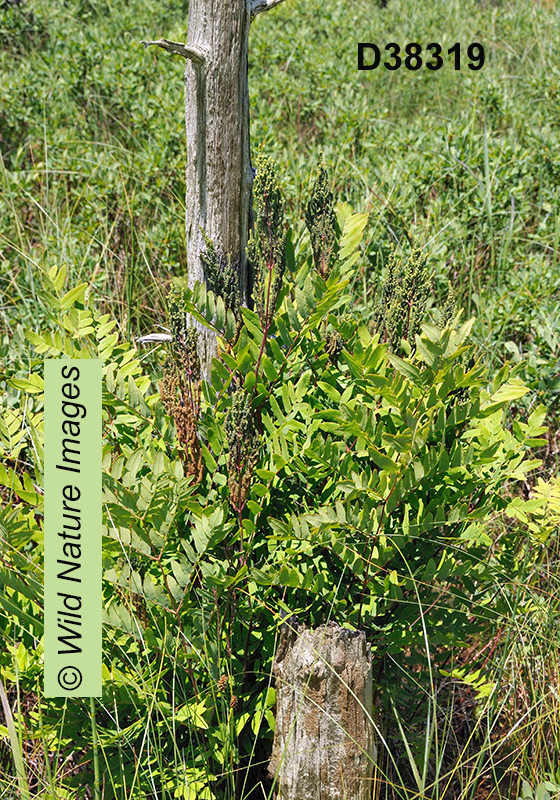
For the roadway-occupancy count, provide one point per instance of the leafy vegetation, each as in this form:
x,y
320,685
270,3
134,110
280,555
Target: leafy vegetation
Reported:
x,y
364,452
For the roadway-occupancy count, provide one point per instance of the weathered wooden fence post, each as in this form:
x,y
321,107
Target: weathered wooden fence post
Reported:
x,y
219,176
324,742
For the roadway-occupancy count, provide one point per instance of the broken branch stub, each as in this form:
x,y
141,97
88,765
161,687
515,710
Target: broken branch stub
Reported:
x,y
195,54
324,743
258,6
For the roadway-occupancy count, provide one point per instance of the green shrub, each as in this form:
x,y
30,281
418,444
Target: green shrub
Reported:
x,y
336,482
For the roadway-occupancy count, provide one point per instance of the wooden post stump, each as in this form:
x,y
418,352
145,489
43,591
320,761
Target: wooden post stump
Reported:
x,y
324,743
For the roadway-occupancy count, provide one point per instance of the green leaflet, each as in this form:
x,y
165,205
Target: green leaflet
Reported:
x,y
352,234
